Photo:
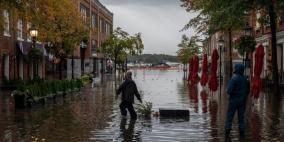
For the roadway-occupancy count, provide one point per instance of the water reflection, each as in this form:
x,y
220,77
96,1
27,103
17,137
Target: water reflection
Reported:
x,y
93,114
213,111
204,96
127,132
193,97
256,126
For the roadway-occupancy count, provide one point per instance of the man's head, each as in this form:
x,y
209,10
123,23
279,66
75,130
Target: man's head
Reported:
x,y
128,75
239,69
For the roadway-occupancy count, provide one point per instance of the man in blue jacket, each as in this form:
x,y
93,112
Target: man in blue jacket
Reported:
x,y
128,89
238,89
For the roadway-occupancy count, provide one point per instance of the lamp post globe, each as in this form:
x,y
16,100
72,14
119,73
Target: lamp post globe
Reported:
x,y
34,33
247,33
247,30
221,44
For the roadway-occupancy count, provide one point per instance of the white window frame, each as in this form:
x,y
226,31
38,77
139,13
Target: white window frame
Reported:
x,y
6,23
101,25
83,11
94,20
29,37
20,30
106,28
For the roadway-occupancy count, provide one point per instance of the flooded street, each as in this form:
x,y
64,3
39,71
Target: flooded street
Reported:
x,y
93,114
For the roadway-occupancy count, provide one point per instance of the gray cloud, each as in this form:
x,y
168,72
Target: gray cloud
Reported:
x,y
159,21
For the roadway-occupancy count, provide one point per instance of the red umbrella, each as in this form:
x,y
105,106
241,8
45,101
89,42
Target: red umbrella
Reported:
x,y
190,67
194,69
213,82
256,80
204,77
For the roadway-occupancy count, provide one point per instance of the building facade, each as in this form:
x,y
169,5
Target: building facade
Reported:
x,y
15,43
261,32
86,59
262,36
211,43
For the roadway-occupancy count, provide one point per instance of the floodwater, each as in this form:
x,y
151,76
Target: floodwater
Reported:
x,y
93,115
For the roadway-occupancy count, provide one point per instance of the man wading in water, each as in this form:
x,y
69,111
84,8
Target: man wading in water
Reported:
x,y
128,89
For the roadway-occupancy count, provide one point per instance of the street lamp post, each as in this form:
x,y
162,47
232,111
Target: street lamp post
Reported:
x,y
247,33
34,34
72,66
221,44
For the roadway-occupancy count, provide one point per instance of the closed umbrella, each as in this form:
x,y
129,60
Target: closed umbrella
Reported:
x,y
194,70
213,82
256,80
204,77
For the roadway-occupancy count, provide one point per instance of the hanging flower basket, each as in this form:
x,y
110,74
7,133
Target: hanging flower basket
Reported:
x,y
246,44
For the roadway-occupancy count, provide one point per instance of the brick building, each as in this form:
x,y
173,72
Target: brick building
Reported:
x,y
86,59
15,42
262,36
224,53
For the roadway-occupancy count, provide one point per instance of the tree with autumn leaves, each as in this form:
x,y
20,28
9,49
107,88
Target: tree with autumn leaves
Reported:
x,y
228,15
65,29
59,23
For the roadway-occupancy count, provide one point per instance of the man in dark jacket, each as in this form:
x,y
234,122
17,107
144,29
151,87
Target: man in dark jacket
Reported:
x,y
128,89
238,89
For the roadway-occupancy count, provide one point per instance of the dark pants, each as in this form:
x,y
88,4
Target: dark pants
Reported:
x,y
233,107
127,105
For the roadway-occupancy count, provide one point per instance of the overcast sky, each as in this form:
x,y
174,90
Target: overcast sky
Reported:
x,y
159,21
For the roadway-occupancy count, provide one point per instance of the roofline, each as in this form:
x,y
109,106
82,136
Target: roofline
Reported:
x,y
100,5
